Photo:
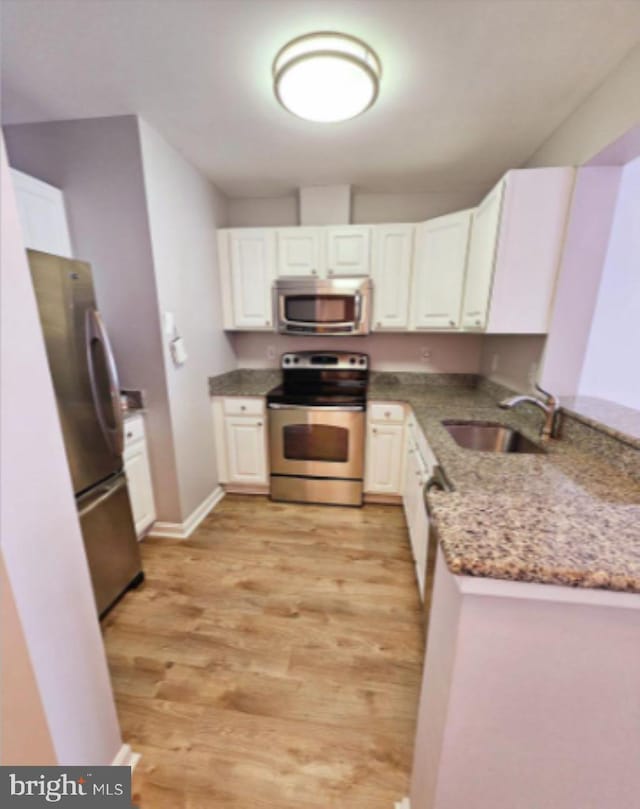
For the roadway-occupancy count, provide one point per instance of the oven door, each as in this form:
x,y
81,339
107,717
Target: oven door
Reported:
x,y
326,442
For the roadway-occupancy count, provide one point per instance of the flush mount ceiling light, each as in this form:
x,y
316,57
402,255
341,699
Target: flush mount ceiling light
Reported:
x,y
326,76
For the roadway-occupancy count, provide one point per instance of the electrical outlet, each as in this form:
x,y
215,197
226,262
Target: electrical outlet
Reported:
x,y
495,362
271,352
426,354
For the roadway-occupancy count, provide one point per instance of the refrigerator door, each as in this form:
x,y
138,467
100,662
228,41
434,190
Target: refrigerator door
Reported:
x,y
82,368
110,540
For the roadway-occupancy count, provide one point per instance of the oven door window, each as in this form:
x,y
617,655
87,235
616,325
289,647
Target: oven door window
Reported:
x,y
320,308
316,442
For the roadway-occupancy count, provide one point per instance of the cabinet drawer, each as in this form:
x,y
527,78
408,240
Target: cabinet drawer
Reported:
x,y
236,406
389,413
133,430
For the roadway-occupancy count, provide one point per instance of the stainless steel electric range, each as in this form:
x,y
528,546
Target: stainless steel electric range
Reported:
x,y
317,428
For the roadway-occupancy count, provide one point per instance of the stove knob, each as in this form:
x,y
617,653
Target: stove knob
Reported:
x,y
296,360
352,360
362,360
287,360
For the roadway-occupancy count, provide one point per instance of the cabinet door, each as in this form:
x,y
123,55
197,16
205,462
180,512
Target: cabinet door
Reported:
x,y
391,269
252,265
439,269
246,450
482,253
385,445
136,467
42,215
300,251
349,250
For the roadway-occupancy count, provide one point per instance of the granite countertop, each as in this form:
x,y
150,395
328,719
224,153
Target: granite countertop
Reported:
x,y
570,516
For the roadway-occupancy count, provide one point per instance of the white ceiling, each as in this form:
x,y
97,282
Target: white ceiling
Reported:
x,y
470,87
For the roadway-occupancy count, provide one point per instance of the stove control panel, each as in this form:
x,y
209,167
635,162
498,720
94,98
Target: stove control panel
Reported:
x,y
318,360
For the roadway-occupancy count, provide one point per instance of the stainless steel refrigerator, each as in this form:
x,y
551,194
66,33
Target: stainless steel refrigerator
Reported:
x,y
88,396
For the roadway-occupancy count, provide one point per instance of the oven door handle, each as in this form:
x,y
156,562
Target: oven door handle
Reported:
x,y
321,408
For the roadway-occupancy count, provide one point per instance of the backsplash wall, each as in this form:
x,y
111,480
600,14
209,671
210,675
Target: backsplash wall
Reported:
x,y
448,353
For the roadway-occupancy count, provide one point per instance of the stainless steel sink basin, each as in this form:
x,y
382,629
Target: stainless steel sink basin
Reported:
x,y
488,436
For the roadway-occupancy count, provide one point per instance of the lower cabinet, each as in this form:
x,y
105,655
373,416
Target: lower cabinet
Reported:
x,y
241,440
136,467
419,461
384,451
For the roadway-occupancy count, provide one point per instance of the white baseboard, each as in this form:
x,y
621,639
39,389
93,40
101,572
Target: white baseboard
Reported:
x,y
125,757
183,530
403,804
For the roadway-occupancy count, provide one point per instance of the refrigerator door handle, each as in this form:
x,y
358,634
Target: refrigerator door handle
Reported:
x,y
96,333
96,498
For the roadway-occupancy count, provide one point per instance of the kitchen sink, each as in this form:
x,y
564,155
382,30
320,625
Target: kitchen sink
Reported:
x,y
489,436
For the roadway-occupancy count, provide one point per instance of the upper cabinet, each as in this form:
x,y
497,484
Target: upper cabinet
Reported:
x,y
514,252
391,269
348,250
247,262
439,271
300,251
43,217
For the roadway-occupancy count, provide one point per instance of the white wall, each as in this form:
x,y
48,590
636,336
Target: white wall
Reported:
x,y
41,540
512,359
184,210
583,256
450,353
366,207
98,166
611,368
610,110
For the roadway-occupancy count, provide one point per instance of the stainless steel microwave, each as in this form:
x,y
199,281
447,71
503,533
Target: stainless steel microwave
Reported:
x,y
334,306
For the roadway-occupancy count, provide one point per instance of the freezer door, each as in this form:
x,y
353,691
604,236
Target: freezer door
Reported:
x,y
110,540
82,367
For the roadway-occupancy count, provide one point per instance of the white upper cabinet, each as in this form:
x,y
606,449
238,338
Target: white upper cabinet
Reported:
x,y
439,270
247,266
516,244
391,269
482,249
348,250
300,251
43,217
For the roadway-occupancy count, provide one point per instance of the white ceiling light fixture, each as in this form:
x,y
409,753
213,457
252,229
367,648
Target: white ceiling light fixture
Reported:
x,y
326,76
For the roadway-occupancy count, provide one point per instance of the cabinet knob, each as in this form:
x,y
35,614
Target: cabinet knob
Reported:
x,y
129,435
387,414
267,323
477,322
243,407
259,424
330,272
375,431
314,272
452,323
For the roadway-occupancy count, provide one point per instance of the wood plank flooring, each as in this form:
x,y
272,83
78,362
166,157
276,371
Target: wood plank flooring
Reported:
x,y
272,661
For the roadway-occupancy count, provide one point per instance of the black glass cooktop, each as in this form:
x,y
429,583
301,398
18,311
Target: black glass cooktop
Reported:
x,y
325,397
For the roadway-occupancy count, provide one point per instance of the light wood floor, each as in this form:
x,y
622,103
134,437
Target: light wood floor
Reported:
x,y
272,660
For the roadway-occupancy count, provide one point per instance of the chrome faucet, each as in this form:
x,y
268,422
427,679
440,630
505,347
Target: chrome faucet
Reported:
x,y
550,407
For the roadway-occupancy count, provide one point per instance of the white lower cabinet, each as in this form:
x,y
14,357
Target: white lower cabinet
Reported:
x,y
136,467
241,440
418,469
384,451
